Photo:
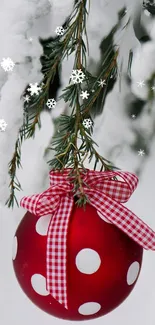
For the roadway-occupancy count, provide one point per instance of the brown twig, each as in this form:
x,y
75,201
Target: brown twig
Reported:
x,y
78,113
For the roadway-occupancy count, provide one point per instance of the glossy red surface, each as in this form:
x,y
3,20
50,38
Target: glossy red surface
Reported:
x,y
107,286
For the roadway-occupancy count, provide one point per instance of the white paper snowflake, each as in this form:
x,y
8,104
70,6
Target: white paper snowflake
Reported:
x,y
87,123
51,103
77,76
26,98
102,82
59,30
7,64
34,89
84,94
140,83
3,125
141,152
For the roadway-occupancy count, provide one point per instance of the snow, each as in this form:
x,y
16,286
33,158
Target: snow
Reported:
x,y
140,71
114,132
24,72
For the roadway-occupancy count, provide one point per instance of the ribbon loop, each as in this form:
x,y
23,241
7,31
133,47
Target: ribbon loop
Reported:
x,y
118,190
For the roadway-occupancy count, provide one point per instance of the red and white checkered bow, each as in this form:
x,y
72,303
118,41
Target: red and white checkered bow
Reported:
x,y
106,195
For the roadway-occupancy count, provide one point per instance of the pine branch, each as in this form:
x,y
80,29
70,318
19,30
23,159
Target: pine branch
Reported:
x,y
78,182
14,183
61,47
68,152
70,155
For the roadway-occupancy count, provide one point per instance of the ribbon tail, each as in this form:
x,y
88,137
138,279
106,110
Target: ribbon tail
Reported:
x,y
130,179
124,219
57,251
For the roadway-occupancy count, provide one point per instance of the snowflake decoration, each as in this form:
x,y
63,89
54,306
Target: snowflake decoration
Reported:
x,y
141,152
34,89
26,98
59,30
102,82
84,94
87,123
77,76
51,103
3,125
7,64
141,83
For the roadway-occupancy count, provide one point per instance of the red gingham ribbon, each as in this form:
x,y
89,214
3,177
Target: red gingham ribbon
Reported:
x,y
106,195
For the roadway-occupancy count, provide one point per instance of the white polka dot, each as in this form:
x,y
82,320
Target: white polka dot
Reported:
x,y
88,261
43,224
38,283
133,273
102,217
89,308
14,248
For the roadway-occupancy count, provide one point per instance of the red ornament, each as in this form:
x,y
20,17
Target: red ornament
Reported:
x,y
80,264
103,264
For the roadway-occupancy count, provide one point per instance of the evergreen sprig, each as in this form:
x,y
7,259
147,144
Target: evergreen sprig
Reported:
x,y
74,143
14,182
69,154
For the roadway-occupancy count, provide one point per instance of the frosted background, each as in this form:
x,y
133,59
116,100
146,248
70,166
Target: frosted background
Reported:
x,y
114,132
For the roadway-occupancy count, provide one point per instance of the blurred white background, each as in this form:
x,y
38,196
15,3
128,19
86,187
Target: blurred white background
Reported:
x,y
114,131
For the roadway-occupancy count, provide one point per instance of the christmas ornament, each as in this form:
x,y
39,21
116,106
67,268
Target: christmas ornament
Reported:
x,y
79,263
